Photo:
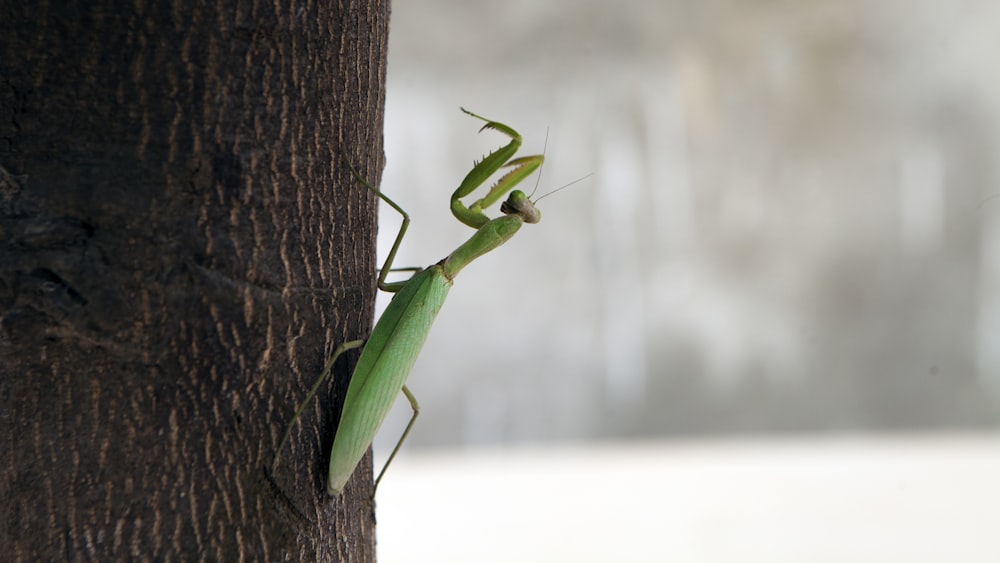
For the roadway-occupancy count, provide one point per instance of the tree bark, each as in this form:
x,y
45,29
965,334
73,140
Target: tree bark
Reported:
x,y
182,247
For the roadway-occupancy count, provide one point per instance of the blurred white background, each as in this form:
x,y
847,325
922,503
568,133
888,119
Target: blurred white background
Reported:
x,y
792,233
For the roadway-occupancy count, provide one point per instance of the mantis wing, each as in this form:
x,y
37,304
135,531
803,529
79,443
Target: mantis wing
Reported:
x,y
380,375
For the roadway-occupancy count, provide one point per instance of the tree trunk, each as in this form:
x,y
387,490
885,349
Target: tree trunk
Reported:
x,y
182,247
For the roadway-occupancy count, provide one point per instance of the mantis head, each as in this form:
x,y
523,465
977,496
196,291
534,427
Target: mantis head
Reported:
x,y
518,204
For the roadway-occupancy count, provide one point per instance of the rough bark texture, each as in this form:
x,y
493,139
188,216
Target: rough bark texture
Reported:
x,y
181,249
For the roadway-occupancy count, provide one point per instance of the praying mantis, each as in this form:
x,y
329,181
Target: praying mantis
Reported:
x,y
391,350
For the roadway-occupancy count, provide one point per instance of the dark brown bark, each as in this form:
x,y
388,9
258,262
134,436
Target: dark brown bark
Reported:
x,y
180,248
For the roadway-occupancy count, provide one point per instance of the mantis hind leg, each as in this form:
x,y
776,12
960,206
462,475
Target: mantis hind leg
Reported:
x,y
416,412
351,345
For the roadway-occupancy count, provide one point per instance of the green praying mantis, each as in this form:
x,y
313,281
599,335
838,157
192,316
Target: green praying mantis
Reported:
x,y
391,350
